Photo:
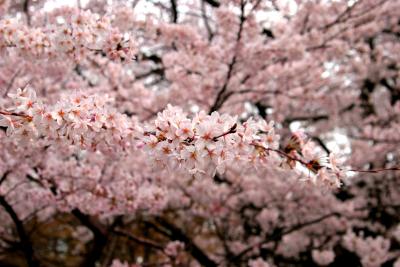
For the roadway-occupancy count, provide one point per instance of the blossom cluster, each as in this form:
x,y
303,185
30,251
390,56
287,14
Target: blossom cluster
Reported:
x,y
80,33
207,144
324,257
79,119
202,145
372,251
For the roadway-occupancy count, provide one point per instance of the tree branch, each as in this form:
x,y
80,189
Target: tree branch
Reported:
x,y
99,242
26,11
220,96
212,3
206,22
195,251
174,11
277,235
23,236
139,240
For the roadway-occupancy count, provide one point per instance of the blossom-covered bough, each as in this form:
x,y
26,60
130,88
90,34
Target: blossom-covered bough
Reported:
x,y
199,133
201,146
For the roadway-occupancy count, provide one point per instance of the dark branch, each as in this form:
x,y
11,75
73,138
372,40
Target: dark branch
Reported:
x,y
279,233
212,3
4,177
174,11
23,236
99,241
206,22
221,94
26,11
195,251
139,240
321,144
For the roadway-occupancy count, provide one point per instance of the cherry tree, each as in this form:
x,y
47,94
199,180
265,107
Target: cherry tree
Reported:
x,y
199,133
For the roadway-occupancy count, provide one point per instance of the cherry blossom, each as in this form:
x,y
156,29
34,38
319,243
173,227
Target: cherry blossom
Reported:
x,y
199,133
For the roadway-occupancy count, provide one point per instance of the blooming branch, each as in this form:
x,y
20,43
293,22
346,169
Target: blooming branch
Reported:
x,y
200,146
